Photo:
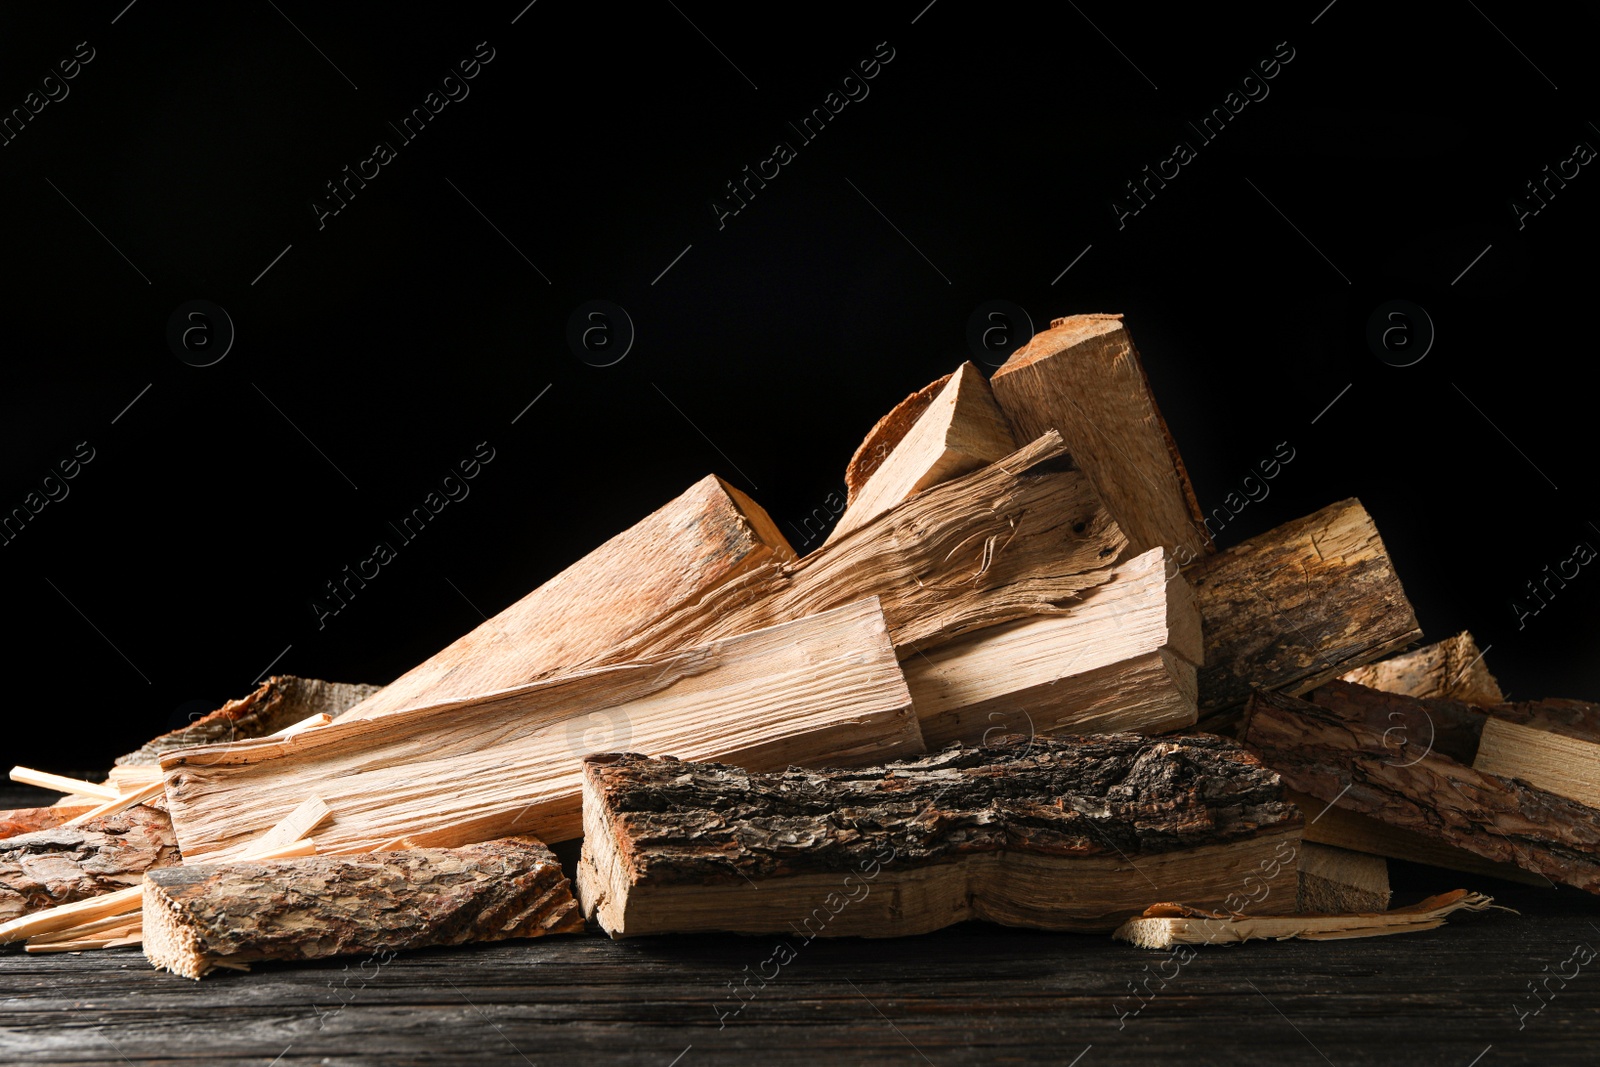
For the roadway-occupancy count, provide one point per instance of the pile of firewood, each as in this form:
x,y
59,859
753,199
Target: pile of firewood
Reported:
x,y
1017,683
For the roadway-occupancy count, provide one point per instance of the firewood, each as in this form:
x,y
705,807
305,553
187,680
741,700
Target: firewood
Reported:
x,y
1295,607
278,702
59,865
1122,659
1023,536
677,556
1336,881
197,918
1166,925
1337,755
960,431
131,799
1545,755
63,784
1451,668
1063,833
1083,377
822,689
885,435
27,820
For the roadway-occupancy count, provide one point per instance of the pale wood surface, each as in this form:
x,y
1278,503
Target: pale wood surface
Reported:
x,y
1337,881
1164,930
1453,668
885,434
1564,765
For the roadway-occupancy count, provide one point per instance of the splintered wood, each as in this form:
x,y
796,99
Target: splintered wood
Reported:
x,y
1165,925
1056,833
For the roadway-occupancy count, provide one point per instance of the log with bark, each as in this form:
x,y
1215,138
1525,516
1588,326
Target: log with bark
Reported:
x,y
822,689
198,918
1083,378
1295,607
676,557
59,865
1339,755
1337,881
1556,747
1450,668
1065,833
27,820
1166,925
1123,658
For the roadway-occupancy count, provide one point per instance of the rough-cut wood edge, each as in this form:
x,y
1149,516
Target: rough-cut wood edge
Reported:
x,y
1166,925
198,918
885,434
1337,757
1452,668
1337,881
278,702
1545,759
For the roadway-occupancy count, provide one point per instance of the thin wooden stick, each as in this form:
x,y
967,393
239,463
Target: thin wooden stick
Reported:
x,y
123,802
62,784
311,722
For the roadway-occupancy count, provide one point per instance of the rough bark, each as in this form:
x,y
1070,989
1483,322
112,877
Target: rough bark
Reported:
x,y
28,820
45,868
1451,668
1295,607
885,435
1338,756
278,702
1054,832
197,918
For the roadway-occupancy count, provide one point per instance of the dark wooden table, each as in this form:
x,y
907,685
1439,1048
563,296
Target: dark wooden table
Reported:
x,y
973,994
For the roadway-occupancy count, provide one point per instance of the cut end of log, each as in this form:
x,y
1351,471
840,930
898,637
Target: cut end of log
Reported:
x,y
1066,332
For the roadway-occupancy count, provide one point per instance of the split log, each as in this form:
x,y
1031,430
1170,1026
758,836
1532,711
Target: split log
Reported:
x,y
1336,881
961,430
1336,755
885,435
198,918
1054,833
1023,536
825,689
1122,659
1451,668
60,865
280,701
1546,754
1295,607
711,535
1083,378
1166,925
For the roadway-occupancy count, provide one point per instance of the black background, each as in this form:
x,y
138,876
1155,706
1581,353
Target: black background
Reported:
x,y
380,349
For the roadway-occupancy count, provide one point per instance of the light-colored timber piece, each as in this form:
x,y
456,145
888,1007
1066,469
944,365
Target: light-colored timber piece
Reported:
x,y
880,442
1023,536
679,555
123,802
130,776
824,689
1056,833
1166,925
310,722
962,430
1353,832
28,820
1545,759
196,918
122,935
1336,755
1295,607
1336,881
62,784
280,701
59,865
1450,668
1083,377
1123,658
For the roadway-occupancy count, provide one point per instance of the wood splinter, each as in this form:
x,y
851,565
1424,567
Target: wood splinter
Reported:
x,y
1166,925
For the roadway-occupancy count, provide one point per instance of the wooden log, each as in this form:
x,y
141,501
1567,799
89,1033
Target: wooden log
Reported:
x,y
1023,536
880,442
1063,833
1122,659
278,702
822,689
27,820
960,431
1564,762
59,865
1166,925
1336,881
198,918
1295,607
711,535
1336,755
1083,378
1451,668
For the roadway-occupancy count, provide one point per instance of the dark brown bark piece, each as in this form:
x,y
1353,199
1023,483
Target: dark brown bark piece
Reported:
x,y
200,917
60,865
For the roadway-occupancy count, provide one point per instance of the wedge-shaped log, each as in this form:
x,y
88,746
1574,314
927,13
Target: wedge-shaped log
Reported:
x,y
1123,658
1297,606
962,430
198,918
1063,833
678,555
1083,377
1339,756
1450,668
1023,536
822,689
887,433
59,865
